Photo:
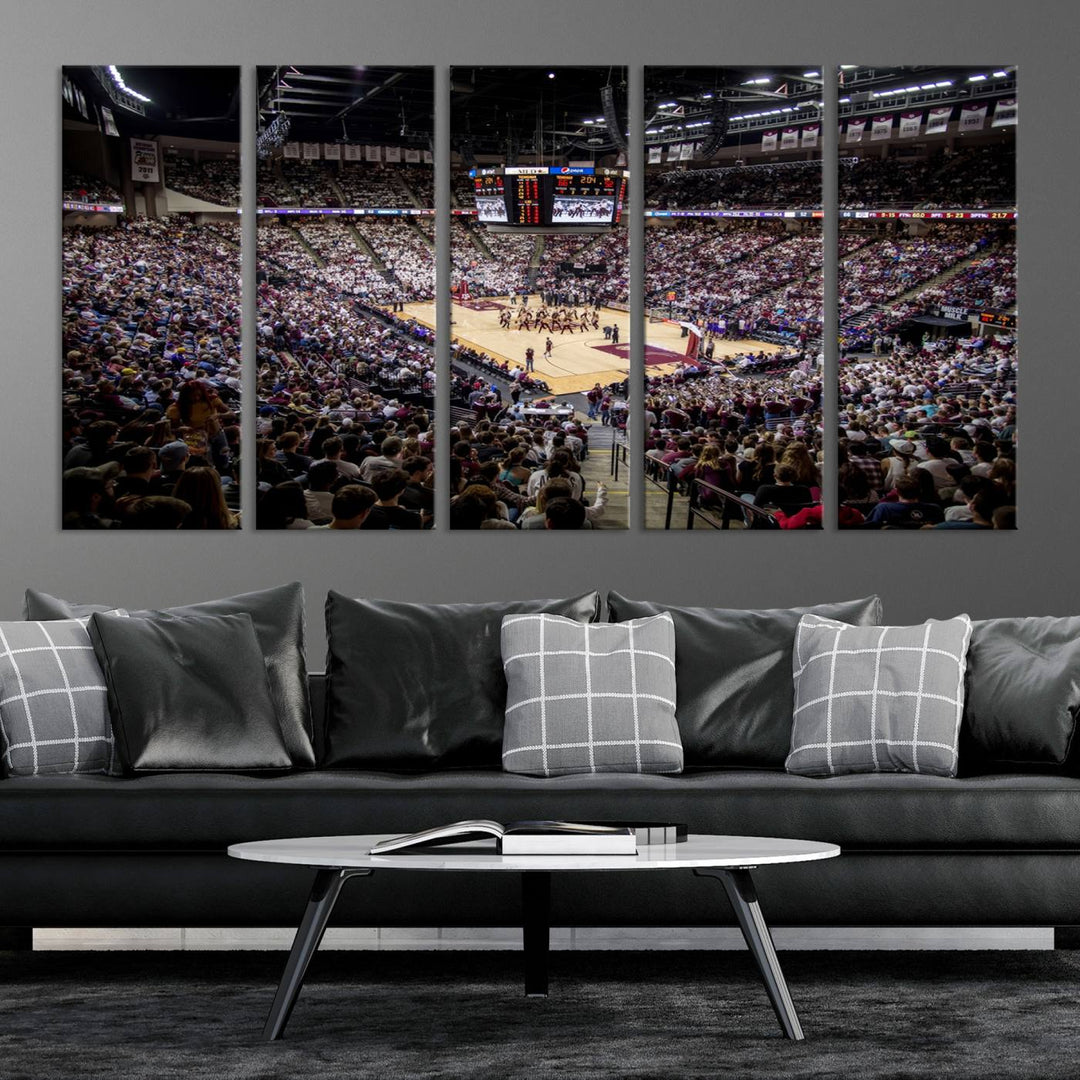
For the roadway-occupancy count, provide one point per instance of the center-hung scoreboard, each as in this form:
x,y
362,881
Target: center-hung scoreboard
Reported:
x,y
555,196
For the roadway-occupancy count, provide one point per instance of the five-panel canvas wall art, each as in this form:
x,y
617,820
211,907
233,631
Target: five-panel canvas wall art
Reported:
x,y
759,406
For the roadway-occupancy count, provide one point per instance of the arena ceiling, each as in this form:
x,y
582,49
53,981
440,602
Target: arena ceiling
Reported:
x,y
385,105
534,110
191,102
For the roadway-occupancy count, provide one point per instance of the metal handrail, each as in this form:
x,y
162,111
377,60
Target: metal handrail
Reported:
x,y
731,506
668,484
618,455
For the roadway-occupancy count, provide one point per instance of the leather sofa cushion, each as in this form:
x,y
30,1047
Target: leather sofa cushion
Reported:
x,y
733,670
1022,694
188,694
174,812
421,686
278,617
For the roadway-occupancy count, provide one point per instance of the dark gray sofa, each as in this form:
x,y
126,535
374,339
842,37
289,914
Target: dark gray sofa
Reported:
x,y
1001,849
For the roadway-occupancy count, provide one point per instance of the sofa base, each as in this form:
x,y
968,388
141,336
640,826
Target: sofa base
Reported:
x,y
208,889
16,938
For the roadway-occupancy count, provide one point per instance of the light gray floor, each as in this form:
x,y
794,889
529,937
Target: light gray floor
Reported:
x,y
562,938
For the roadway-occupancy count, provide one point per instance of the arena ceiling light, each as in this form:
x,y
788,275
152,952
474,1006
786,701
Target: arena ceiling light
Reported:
x,y
811,74
757,82
117,78
977,78
1001,74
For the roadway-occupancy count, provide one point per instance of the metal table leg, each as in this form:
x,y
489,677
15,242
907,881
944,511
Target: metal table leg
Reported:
x,y
536,928
324,894
740,890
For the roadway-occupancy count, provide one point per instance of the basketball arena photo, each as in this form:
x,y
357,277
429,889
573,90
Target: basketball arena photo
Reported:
x,y
733,295
151,297
346,286
927,298
540,336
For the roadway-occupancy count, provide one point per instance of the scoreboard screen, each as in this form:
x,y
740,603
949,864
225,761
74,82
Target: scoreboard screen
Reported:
x,y
557,196
490,198
586,200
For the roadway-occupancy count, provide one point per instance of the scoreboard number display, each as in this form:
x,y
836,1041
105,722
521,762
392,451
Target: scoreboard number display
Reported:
x,y
527,200
556,196
490,198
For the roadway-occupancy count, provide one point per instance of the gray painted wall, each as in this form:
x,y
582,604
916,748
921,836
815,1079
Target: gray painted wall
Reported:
x,y
1032,571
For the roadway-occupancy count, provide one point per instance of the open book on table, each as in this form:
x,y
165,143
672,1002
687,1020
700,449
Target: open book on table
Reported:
x,y
543,837
523,838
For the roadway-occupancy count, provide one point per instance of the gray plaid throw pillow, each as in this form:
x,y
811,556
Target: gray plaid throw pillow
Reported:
x,y
54,716
877,698
589,697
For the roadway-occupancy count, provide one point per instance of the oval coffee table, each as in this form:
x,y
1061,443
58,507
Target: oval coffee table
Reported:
x,y
729,859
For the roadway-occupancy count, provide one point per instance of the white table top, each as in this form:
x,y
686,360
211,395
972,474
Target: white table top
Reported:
x,y
354,852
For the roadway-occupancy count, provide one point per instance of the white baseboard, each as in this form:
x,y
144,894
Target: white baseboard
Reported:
x,y
433,938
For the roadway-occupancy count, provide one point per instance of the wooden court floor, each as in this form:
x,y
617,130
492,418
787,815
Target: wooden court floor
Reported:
x,y
578,360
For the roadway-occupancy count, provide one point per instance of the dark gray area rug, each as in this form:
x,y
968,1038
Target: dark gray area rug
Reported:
x,y
96,1016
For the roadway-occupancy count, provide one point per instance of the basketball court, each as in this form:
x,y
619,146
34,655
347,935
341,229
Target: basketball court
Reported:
x,y
577,360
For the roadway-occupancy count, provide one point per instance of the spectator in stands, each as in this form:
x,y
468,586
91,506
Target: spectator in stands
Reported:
x,y
784,492
564,514
201,489
323,476
909,511
350,507
282,507
388,485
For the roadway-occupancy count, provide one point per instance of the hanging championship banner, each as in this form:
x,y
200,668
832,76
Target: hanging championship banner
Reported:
x,y
937,120
428,159
768,140
789,138
354,152
331,151
110,123
972,117
909,124
144,161
686,151
656,155
1004,113
392,154
292,150
673,152
311,151
810,135
371,153
412,156
855,130
881,128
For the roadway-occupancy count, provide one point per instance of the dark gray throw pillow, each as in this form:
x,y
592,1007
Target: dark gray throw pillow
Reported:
x,y
188,694
278,617
1023,694
733,670
415,687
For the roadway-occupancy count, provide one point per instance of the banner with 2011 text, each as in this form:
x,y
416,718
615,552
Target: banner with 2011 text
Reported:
x,y
144,161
